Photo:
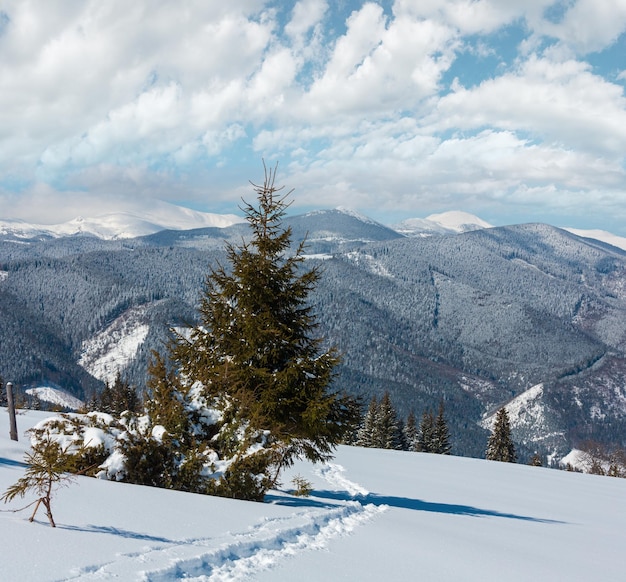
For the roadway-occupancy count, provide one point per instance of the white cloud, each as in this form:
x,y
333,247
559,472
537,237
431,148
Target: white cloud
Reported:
x,y
305,16
78,80
216,141
379,67
489,166
590,25
473,16
265,93
562,102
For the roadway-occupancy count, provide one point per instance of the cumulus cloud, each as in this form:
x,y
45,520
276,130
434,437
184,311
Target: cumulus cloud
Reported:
x,y
563,102
590,25
306,15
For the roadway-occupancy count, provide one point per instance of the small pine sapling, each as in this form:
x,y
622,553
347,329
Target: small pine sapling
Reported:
x,y
47,468
302,487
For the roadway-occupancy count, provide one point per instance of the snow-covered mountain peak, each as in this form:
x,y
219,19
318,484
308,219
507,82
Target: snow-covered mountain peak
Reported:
x,y
342,210
56,396
120,225
355,214
452,222
458,221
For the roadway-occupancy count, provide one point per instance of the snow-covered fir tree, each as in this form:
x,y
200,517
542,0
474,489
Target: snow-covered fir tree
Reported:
x,y
441,435
365,433
500,446
426,432
388,434
255,354
410,433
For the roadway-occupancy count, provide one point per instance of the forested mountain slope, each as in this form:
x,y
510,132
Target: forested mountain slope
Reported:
x,y
477,319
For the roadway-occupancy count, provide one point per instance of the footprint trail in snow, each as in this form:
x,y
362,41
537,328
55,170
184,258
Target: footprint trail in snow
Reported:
x,y
236,557
334,474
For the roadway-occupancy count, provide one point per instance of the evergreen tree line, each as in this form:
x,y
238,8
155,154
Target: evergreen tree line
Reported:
x,y
382,428
116,399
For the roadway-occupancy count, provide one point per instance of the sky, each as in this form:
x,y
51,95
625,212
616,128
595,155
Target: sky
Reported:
x,y
513,111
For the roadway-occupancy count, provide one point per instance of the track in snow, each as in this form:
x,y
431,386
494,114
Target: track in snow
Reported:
x,y
335,475
236,557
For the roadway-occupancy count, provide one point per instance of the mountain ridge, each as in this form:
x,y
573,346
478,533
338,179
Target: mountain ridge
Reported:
x,y
166,216
121,225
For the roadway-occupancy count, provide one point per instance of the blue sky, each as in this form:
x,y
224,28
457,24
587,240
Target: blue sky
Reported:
x,y
514,111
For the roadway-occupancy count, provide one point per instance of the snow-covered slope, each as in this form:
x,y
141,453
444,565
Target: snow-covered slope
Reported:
x,y
336,227
452,222
373,515
121,225
458,221
601,235
531,422
56,396
107,353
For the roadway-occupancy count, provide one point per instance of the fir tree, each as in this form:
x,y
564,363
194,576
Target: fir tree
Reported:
x,y
365,434
402,444
165,402
500,446
117,399
441,434
104,401
410,433
425,439
387,435
124,397
255,352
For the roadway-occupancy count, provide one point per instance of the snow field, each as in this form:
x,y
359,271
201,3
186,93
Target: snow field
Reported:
x,y
373,515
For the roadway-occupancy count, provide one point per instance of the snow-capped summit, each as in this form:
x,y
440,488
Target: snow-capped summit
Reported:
x,y
119,225
356,214
453,222
458,221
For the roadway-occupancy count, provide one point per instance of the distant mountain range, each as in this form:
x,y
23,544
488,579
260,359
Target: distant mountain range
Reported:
x,y
121,225
164,216
449,308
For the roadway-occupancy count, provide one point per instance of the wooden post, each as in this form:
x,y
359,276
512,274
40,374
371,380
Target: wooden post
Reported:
x,y
11,406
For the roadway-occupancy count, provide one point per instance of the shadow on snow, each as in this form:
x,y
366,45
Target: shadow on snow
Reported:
x,y
12,463
117,532
420,505
294,501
